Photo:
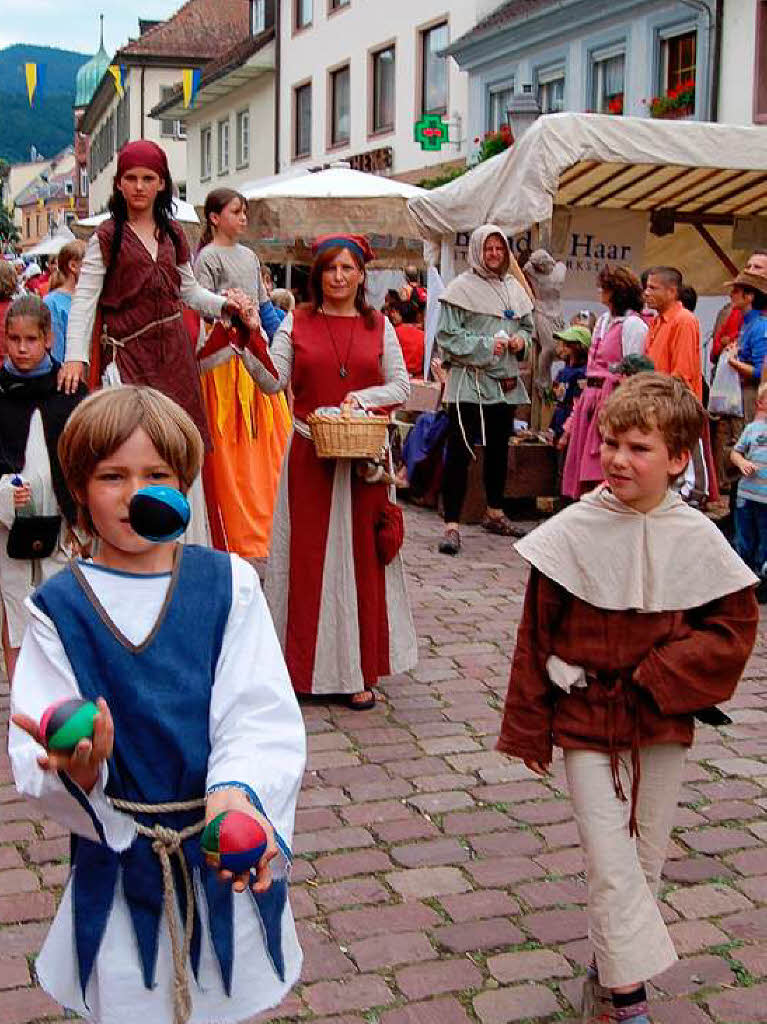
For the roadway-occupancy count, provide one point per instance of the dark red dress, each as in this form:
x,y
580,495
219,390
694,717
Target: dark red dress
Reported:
x,y
330,619
137,291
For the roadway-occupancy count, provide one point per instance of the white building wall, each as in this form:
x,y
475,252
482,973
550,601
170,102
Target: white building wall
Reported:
x,y
258,98
738,65
348,35
151,80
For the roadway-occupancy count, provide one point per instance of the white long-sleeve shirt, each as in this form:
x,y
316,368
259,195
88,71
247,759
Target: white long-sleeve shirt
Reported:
x,y
257,738
86,299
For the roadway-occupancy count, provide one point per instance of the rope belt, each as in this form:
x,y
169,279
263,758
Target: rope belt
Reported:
x,y
165,843
116,343
469,447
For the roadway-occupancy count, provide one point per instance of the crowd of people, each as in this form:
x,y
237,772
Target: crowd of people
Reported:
x,y
204,379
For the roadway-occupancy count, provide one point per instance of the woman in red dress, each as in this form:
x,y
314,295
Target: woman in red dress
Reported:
x,y
335,588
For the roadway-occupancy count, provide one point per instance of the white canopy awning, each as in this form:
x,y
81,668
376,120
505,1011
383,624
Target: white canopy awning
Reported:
x,y
694,172
304,205
50,245
183,212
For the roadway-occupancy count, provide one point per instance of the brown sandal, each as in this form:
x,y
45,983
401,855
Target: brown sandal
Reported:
x,y
361,705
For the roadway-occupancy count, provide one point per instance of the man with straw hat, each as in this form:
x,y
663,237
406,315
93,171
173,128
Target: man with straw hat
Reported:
x,y
748,293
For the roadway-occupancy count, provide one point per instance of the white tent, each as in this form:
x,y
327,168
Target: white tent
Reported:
x,y
295,208
696,191
52,244
183,212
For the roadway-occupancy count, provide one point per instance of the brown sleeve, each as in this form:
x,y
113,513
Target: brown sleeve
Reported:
x,y
703,666
528,713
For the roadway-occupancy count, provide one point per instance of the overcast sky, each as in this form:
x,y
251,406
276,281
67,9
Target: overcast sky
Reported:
x,y
74,24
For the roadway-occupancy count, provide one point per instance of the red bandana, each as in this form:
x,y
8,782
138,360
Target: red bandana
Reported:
x,y
142,154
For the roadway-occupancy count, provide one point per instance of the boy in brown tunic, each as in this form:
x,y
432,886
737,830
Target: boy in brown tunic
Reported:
x,y
638,616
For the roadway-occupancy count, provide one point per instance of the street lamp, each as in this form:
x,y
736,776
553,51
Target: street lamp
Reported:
x,y
523,109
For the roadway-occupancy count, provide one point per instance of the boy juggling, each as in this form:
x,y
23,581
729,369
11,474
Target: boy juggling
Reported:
x,y
197,718
638,616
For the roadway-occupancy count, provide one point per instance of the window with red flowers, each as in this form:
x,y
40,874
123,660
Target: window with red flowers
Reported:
x,y
679,57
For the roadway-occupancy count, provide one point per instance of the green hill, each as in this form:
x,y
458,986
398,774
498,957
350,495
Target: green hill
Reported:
x,y
48,124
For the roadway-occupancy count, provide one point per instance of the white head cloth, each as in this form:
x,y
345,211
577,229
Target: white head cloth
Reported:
x,y
613,557
479,290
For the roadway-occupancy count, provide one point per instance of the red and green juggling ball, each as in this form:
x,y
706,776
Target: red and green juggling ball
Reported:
x,y
65,723
234,840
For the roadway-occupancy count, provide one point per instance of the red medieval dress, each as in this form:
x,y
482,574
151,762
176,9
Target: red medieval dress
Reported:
x,y
135,300
141,309
342,615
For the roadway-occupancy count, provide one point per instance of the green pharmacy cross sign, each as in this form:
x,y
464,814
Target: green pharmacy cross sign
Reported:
x,y
430,132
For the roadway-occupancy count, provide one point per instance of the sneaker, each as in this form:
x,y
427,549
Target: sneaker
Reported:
x,y
502,526
450,543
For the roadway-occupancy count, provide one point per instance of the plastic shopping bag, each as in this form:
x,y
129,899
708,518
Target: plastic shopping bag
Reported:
x,y
726,395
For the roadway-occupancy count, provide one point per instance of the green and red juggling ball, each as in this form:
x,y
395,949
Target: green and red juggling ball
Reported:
x,y
65,723
234,840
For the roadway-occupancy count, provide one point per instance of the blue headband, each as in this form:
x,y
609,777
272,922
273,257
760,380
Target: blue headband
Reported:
x,y
342,243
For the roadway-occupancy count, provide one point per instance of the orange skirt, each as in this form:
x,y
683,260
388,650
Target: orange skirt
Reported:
x,y
250,433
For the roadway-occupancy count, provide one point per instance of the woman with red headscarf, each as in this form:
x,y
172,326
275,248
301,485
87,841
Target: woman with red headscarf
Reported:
x,y
137,275
335,582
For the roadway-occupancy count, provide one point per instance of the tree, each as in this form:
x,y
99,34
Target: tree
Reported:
x,y
8,231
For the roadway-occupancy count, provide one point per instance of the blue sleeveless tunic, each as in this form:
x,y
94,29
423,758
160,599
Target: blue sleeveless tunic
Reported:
x,y
159,694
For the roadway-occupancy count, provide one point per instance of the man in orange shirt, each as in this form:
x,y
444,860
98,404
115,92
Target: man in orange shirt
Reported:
x,y
673,343
674,346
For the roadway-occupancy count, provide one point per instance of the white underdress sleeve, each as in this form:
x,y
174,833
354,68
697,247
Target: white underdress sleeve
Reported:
x,y
634,336
257,733
396,387
281,354
43,676
196,297
85,301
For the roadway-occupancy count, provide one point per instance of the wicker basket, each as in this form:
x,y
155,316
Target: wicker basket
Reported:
x,y
347,437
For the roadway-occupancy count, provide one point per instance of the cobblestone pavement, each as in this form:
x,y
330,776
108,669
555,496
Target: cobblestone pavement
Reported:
x,y
438,883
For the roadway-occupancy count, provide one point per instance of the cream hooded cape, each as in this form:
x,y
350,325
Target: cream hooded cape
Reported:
x,y
479,291
618,559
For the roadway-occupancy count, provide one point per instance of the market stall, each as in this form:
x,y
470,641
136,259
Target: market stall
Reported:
x,y
285,213
598,189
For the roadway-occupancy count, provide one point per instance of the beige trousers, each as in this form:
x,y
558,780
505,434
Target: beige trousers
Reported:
x,y
631,941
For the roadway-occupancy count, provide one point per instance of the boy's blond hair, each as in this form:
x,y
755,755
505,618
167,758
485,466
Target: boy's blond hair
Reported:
x,y
105,421
649,400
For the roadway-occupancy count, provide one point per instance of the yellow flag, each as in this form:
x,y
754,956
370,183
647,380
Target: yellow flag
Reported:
x,y
116,71
190,82
30,72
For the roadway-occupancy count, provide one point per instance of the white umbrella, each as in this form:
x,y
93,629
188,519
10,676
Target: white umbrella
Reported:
x,y
52,244
337,199
183,212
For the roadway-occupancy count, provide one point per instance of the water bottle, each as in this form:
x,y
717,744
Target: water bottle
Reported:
x,y
23,511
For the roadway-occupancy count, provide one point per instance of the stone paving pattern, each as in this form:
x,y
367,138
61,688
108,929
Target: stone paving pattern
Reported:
x,y
435,882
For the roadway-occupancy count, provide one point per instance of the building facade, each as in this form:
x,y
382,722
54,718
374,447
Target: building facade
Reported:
x,y
743,66
356,76
230,124
670,58
48,201
151,67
